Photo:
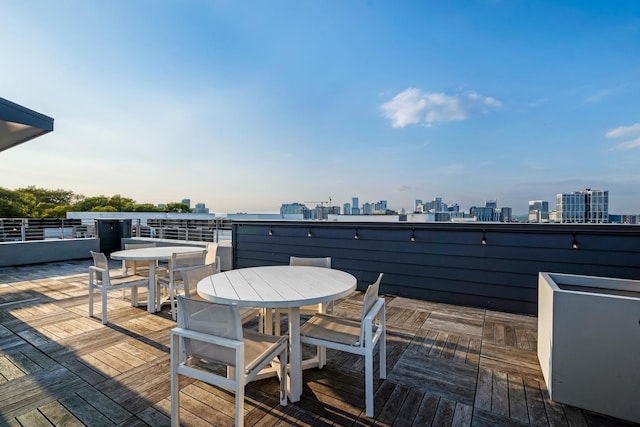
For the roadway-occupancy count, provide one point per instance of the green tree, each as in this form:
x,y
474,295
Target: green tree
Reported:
x,y
56,197
14,204
122,204
57,211
104,209
147,207
177,207
87,204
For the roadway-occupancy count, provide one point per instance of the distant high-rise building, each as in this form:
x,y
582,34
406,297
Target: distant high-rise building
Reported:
x,y
380,207
417,205
588,206
538,211
355,207
347,208
367,209
491,212
200,208
187,202
295,208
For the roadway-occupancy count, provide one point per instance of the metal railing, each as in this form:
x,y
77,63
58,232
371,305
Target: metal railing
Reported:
x,y
25,229
180,229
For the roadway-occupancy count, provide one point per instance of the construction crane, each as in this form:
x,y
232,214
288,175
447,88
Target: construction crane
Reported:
x,y
320,202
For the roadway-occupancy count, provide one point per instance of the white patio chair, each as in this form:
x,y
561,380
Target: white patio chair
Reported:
x,y
354,336
308,310
193,276
173,278
213,332
104,280
212,257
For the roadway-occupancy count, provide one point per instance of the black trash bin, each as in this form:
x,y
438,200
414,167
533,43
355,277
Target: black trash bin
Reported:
x,y
111,232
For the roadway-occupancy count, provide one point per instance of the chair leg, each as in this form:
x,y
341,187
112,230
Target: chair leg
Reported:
x,y
134,296
175,383
104,305
321,353
90,300
240,384
172,303
277,322
283,377
267,321
383,346
368,380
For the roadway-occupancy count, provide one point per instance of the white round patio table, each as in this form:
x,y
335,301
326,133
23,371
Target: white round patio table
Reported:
x,y
153,255
280,286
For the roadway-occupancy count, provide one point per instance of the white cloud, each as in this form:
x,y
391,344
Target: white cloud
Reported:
x,y
627,145
599,96
624,130
413,106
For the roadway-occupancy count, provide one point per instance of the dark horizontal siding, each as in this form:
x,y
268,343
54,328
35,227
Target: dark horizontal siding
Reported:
x,y
447,262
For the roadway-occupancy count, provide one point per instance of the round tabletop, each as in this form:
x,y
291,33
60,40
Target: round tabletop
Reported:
x,y
277,286
155,253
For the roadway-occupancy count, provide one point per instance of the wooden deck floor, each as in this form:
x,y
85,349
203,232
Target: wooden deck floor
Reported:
x,y
447,365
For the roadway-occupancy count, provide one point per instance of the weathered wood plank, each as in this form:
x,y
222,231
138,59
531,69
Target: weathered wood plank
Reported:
x,y
427,410
8,370
86,413
463,415
484,389
535,404
444,413
394,403
517,399
34,419
500,394
58,415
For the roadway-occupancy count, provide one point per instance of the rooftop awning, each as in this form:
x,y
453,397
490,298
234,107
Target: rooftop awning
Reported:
x,y
19,124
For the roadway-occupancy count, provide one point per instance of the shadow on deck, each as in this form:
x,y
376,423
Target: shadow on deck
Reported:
x,y
447,365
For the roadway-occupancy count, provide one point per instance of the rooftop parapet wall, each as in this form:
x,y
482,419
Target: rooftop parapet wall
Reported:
x,y
447,262
41,251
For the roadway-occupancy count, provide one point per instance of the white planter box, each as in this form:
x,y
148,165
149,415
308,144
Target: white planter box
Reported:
x,y
589,342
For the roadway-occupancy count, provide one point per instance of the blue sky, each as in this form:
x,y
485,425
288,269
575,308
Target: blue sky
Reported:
x,y
245,105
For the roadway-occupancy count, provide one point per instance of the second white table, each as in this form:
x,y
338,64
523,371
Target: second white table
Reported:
x,y
153,255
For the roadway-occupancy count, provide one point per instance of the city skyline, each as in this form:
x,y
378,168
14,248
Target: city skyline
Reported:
x,y
245,106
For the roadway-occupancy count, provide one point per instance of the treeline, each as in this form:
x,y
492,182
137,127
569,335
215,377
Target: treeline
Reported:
x,y
32,202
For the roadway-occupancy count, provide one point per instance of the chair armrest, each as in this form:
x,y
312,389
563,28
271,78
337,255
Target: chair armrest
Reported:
x,y
97,269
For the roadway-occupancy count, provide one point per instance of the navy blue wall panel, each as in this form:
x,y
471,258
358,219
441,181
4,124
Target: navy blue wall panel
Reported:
x,y
447,262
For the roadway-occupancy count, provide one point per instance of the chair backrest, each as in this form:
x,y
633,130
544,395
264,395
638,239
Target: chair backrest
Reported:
x,y
212,251
187,259
139,245
218,320
311,262
100,260
370,298
193,276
